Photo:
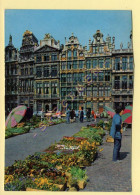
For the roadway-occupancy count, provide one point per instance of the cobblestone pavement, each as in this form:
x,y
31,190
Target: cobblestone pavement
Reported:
x,y
104,175
19,147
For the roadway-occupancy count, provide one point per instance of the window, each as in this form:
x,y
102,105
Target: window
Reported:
x,y
69,65
117,63
95,63
101,76
69,78
94,91
81,64
74,64
81,77
63,65
107,63
101,49
22,72
63,92
31,71
32,86
46,71
69,54
107,91
63,77
88,64
26,71
94,77
39,86
131,63
63,55
130,82
54,71
69,91
101,62
38,58
54,57
46,88
74,53
107,76
95,49
124,82
101,91
124,63
89,92
117,82
46,58
81,54
54,88
38,71
75,78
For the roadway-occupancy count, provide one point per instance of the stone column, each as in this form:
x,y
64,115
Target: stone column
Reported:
x,y
28,101
35,106
50,106
127,82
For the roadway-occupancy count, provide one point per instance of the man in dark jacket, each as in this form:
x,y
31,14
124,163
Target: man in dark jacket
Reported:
x,y
88,115
81,115
116,133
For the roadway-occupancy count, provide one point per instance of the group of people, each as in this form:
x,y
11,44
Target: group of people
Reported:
x,y
71,115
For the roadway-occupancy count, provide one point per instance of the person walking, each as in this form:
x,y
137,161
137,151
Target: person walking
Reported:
x,y
94,117
42,115
72,114
81,115
92,113
88,115
68,116
116,133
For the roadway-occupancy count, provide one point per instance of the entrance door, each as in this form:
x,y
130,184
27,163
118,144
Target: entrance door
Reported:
x,y
46,108
54,107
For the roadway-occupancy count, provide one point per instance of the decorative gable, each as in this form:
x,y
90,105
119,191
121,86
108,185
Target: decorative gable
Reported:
x,y
45,49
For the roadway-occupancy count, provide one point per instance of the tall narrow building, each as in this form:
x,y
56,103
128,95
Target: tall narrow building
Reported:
x,y
47,74
26,69
11,77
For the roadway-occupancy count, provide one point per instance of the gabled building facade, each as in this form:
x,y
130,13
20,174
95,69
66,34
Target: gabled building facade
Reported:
x,y
11,77
51,76
26,69
47,75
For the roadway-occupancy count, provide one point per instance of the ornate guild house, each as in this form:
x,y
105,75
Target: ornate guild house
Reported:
x,y
49,76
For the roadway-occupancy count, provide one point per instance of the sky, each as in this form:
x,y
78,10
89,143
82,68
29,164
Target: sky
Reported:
x,y
62,23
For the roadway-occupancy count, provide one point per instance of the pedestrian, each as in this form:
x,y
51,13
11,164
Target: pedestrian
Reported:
x,y
94,117
81,115
72,115
88,115
92,113
42,115
68,116
116,133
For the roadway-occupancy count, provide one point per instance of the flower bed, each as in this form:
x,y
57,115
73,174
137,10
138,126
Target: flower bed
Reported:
x,y
59,167
25,127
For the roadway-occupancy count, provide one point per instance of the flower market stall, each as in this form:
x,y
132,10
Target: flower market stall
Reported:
x,y
58,168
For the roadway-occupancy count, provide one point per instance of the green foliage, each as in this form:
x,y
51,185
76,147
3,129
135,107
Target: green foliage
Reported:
x,y
100,123
13,131
91,133
77,174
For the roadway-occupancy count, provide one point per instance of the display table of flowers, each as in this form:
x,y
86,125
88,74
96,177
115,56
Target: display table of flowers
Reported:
x,y
24,127
58,168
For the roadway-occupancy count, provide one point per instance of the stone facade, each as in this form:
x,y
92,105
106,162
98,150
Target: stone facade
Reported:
x,y
53,76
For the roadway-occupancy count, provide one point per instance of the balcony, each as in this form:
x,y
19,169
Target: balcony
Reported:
x,y
46,96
